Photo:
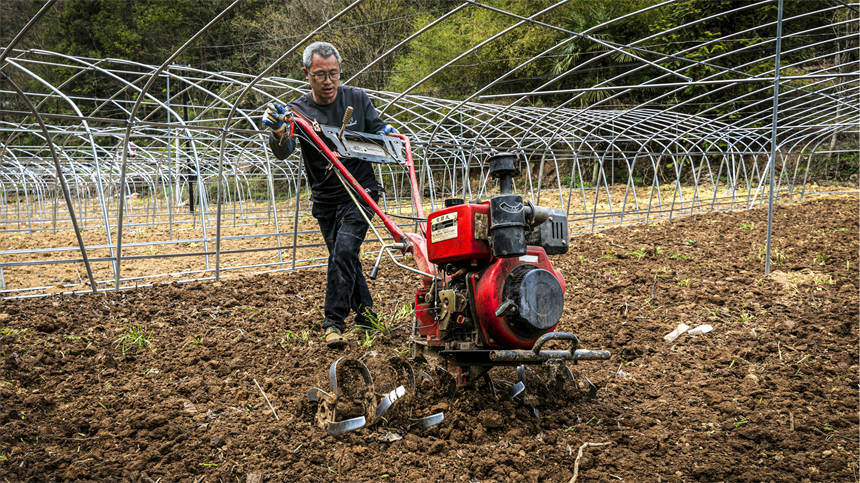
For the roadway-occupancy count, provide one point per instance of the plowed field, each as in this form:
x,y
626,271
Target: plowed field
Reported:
x,y
771,394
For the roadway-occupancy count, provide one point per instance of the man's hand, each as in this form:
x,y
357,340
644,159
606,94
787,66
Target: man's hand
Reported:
x,y
273,118
389,129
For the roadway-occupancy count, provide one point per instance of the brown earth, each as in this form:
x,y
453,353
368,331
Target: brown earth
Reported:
x,y
771,394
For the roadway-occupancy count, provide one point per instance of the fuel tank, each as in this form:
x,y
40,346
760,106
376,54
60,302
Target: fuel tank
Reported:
x,y
459,234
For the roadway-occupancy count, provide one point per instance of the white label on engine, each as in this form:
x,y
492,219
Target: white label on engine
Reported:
x,y
444,227
529,259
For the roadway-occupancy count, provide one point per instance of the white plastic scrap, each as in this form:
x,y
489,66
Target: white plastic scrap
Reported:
x,y
701,329
671,336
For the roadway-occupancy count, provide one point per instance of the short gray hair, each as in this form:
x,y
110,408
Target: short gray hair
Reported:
x,y
323,49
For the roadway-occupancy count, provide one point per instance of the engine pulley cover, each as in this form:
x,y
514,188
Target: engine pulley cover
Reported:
x,y
537,299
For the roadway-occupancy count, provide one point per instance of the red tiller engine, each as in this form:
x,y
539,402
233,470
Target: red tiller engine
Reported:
x,y
496,288
489,295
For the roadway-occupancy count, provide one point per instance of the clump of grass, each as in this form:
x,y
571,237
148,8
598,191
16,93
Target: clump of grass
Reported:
x,y
291,337
638,254
745,317
373,323
133,337
777,256
195,342
12,332
404,311
369,338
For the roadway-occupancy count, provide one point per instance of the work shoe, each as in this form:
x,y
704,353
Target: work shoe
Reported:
x,y
334,337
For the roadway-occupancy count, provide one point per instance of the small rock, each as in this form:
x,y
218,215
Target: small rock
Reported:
x,y
4,317
218,442
750,380
390,437
671,336
700,329
189,407
254,478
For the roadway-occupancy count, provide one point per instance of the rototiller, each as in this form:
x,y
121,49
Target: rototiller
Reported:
x,y
489,294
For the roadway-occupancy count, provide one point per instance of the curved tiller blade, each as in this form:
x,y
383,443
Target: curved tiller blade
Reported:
x,y
386,402
340,427
428,421
515,390
328,401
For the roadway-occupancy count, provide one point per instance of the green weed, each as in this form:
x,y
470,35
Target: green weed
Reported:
x,y
133,337
608,254
9,331
747,226
682,283
196,342
253,314
638,254
828,280
291,337
741,421
374,324
404,311
777,256
367,343
821,259
745,317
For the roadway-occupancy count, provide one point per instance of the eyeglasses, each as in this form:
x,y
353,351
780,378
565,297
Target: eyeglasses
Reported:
x,y
320,76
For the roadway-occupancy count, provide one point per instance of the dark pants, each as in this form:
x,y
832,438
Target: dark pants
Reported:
x,y
343,229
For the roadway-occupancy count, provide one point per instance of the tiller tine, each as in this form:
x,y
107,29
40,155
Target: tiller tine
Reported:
x,y
403,370
340,427
490,384
515,390
520,387
428,421
424,377
327,409
592,389
386,402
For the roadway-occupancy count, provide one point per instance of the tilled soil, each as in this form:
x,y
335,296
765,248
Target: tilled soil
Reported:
x,y
771,394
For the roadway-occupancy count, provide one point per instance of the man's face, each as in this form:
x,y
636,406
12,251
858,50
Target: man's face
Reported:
x,y
319,76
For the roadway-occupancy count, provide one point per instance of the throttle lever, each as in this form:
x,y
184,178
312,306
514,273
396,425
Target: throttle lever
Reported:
x,y
346,117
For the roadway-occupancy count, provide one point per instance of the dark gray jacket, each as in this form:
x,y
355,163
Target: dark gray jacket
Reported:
x,y
325,187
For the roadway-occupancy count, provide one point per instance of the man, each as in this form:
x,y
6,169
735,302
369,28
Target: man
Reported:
x,y
341,223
